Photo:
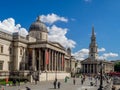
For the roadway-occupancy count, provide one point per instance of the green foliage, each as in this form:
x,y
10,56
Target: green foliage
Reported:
x,y
117,67
4,82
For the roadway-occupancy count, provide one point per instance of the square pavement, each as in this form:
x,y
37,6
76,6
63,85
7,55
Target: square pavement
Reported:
x,y
48,85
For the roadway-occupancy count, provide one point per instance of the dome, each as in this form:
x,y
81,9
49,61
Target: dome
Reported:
x,y
38,26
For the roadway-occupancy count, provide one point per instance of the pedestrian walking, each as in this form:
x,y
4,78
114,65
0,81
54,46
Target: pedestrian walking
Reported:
x,y
82,81
74,81
95,81
14,82
66,79
35,80
54,83
58,85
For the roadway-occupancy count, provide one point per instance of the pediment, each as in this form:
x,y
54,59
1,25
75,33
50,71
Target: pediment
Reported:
x,y
57,44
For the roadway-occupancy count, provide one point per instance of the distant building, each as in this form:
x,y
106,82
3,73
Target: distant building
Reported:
x,y
91,65
34,55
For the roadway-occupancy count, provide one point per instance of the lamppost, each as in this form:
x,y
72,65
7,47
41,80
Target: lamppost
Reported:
x,y
101,78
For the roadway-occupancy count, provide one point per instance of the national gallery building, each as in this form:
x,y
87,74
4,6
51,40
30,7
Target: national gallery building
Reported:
x,y
34,56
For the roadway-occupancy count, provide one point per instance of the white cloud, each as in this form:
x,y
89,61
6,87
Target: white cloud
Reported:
x,y
51,18
108,55
9,25
101,49
81,54
58,34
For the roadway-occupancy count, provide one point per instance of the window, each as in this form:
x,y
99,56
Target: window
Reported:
x,y
1,48
1,65
91,49
21,51
9,65
10,50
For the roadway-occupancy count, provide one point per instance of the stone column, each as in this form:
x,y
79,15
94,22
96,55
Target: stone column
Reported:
x,y
16,50
52,60
97,68
39,60
55,61
83,68
63,62
25,57
23,62
60,62
90,68
45,60
93,68
87,68
49,59
33,59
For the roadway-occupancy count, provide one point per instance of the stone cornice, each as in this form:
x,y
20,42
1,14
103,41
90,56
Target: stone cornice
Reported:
x,y
45,44
20,39
6,36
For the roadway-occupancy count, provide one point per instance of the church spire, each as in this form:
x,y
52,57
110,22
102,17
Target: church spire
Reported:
x,y
93,33
93,53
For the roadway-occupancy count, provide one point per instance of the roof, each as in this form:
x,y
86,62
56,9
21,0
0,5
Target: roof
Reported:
x,y
38,26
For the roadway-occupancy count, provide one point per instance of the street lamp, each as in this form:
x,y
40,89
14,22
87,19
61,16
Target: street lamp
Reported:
x,y
56,74
101,78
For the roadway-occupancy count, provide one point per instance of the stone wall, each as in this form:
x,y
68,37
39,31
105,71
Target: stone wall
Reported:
x,y
52,76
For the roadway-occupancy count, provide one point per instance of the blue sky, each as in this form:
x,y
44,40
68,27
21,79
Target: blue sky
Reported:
x,y
78,18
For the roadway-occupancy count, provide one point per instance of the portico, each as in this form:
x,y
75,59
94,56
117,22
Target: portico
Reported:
x,y
46,59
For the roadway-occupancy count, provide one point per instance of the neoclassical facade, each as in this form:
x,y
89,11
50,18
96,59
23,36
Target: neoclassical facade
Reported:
x,y
91,65
34,56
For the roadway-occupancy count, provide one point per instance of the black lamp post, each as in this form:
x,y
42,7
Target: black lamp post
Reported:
x,y
101,78
56,74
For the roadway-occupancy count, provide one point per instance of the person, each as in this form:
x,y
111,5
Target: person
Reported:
x,y
54,83
56,79
82,81
14,82
59,85
95,81
27,88
74,80
66,79
35,80
18,82
113,88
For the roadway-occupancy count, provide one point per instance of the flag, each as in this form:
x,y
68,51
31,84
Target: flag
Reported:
x,y
47,57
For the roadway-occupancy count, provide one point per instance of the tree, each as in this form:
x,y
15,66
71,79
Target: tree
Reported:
x,y
117,67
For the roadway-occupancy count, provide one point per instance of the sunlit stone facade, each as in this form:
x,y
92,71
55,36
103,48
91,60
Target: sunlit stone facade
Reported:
x,y
34,56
